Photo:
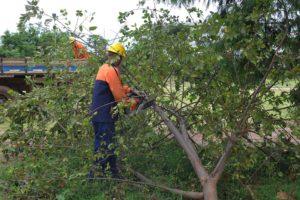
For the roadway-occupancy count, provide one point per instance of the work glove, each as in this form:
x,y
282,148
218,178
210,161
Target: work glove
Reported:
x,y
138,104
133,105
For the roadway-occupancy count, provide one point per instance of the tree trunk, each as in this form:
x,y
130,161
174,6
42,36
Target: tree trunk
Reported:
x,y
210,190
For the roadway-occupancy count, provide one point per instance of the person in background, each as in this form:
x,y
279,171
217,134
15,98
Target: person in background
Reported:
x,y
80,51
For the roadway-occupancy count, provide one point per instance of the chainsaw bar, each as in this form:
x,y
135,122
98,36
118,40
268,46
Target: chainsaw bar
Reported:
x,y
145,104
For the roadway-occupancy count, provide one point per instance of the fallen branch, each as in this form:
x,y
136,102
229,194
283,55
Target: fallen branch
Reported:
x,y
185,194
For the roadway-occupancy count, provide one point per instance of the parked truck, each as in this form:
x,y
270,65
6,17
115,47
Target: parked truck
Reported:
x,y
14,70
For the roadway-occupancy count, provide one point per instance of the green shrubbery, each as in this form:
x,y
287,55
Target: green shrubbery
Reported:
x,y
210,73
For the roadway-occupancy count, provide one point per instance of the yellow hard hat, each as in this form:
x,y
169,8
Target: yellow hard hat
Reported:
x,y
117,48
71,39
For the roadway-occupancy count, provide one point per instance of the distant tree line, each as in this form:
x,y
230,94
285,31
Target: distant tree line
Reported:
x,y
29,42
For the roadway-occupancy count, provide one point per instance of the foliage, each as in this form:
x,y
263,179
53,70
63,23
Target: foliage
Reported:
x,y
175,2
30,43
212,73
44,137
223,59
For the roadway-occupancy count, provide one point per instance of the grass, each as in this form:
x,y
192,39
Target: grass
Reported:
x,y
278,89
268,188
4,126
262,189
108,190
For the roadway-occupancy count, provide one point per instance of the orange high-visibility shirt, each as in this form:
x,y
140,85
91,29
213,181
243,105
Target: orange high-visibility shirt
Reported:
x,y
80,51
108,91
111,76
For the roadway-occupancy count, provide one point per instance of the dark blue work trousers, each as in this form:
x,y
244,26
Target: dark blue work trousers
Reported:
x,y
104,146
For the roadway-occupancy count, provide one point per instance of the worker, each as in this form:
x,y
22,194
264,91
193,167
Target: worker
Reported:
x,y
80,51
108,91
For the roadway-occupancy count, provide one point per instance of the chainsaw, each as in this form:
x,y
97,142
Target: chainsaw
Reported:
x,y
144,102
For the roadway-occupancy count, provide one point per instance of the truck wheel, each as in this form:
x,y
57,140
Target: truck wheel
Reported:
x,y
4,95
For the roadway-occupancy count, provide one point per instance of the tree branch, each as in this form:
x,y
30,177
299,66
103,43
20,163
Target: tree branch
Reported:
x,y
258,89
191,153
218,170
259,148
183,130
186,194
217,68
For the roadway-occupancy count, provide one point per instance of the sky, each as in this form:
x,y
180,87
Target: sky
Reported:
x,y
106,17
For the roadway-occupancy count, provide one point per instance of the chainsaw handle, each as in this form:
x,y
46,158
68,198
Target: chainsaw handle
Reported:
x,y
137,93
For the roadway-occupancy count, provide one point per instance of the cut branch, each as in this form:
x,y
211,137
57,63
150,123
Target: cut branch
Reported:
x,y
186,194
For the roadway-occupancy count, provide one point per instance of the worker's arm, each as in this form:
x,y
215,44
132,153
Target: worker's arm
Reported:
x,y
115,85
118,90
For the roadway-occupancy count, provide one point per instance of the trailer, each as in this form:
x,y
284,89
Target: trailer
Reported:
x,y
13,72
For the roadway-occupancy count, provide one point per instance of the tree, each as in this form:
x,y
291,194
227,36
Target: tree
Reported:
x,y
18,44
176,2
223,5
211,78
28,42
216,86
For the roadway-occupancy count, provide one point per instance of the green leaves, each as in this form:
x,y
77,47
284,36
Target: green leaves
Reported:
x,y
124,15
92,28
79,13
206,72
51,130
64,12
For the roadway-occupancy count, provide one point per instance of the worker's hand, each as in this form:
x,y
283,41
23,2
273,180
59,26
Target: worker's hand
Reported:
x,y
127,89
130,109
134,103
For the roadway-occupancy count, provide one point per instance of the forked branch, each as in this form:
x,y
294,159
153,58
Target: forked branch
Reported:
x,y
189,150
